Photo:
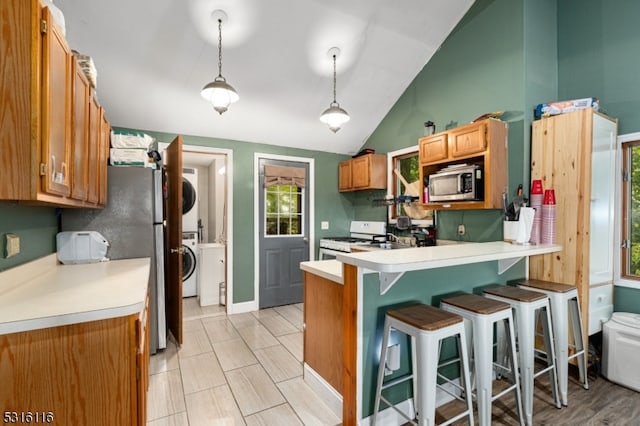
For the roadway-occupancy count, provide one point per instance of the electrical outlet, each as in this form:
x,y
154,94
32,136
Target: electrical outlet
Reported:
x,y
324,225
461,229
11,244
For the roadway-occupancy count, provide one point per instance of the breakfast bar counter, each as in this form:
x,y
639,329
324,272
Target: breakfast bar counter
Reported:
x,y
373,281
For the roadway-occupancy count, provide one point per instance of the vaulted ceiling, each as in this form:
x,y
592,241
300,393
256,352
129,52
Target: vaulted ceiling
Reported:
x,y
153,57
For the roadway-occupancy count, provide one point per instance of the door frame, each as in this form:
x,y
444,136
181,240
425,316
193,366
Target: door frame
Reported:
x,y
229,214
310,186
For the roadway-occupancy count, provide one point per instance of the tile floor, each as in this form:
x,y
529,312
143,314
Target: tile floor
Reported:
x,y
243,369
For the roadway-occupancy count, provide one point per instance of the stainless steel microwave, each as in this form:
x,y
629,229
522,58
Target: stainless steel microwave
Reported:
x,y
462,182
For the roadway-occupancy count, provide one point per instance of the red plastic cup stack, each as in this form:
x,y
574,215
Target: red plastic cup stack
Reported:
x,y
536,203
548,229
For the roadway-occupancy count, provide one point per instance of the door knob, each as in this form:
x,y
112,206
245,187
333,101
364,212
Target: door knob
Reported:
x,y
178,250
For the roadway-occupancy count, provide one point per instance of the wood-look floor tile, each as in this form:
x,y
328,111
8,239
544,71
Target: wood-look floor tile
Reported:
x,y
219,329
213,311
257,336
291,314
242,320
279,363
192,325
293,343
307,405
282,415
194,343
234,354
179,419
299,306
190,308
253,388
201,372
267,312
277,325
165,395
164,359
215,406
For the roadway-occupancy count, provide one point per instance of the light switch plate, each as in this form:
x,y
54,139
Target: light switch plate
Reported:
x,y
324,225
11,244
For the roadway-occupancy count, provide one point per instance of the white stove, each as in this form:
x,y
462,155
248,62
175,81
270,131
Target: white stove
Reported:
x,y
361,233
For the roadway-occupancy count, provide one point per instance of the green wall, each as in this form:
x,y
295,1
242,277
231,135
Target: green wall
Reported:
x,y
504,55
330,205
35,226
598,45
478,69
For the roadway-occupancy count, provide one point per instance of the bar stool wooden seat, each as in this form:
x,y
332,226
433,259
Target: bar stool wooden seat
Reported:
x,y
565,307
427,326
480,314
527,305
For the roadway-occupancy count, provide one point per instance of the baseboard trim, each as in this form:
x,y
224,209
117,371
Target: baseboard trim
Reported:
x,y
325,391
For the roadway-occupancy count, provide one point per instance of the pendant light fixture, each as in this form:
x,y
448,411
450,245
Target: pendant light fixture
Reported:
x,y
334,116
220,93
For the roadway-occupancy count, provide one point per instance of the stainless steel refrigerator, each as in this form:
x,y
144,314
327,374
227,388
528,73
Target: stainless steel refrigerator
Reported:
x,y
132,222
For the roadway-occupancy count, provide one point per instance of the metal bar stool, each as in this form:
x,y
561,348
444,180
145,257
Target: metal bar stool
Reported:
x,y
480,314
427,326
526,306
564,307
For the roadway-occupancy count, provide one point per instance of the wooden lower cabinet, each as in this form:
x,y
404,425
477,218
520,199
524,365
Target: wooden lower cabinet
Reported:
x,y
93,373
323,337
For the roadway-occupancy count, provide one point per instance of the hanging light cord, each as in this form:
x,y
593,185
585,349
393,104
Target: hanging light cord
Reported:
x,y
334,81
220,48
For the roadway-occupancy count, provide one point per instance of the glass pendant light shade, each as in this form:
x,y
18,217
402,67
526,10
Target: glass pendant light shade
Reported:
x,y
220,93
334,117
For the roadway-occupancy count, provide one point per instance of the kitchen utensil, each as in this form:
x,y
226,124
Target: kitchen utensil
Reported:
x,y
518,202
412,189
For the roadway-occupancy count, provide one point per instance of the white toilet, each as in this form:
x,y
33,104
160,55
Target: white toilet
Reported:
x,y
620,349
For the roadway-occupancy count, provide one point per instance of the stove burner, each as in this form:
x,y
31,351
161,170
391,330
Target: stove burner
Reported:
x,y
351,240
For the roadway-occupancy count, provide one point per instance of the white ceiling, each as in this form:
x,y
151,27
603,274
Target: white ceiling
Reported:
x,y
153,57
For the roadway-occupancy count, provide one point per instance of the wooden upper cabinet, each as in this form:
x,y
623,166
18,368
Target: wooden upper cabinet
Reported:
x,y
360,172
45,132
103,155
94,150
483,143
364,172
56,109
468,140
344,176
434,148
80,134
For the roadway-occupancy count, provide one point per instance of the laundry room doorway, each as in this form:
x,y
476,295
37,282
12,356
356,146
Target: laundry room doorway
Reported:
x,y
207,221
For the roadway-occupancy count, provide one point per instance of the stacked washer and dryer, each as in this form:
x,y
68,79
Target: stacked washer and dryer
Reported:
x,y
189,231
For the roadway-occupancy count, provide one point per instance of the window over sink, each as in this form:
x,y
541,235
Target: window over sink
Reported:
x,y
407,162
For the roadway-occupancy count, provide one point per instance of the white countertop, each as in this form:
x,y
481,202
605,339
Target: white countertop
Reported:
x,y
43,293
330,269
419,258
